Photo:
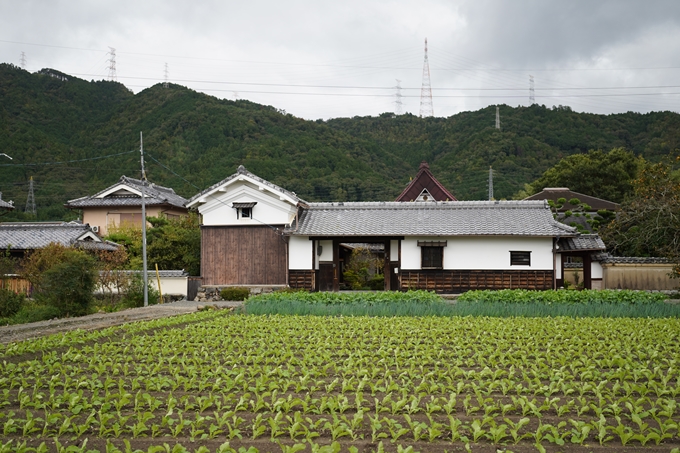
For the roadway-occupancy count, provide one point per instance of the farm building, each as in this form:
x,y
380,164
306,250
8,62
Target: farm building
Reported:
x,y
121,204
255,233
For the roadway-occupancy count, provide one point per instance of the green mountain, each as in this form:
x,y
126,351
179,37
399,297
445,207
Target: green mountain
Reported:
x,y
58,127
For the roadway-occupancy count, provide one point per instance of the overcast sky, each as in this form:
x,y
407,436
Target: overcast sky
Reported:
x,y
326,59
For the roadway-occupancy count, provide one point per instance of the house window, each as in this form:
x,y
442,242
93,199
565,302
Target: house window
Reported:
x,y
432,257
520,258
244,210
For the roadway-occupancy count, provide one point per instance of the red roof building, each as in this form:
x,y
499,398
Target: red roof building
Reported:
x,y
425,187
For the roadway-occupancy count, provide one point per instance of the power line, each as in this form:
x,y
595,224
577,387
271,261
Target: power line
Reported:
x,y
67,161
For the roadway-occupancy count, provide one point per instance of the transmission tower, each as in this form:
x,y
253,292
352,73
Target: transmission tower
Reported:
x,y
498,118
165,83
112,64
490,184
23,60
532,98
426,108
397,99
30,201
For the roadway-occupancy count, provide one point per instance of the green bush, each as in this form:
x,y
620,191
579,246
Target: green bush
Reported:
x,y
10,302
69,284
235,293
133,296
33,312
377,282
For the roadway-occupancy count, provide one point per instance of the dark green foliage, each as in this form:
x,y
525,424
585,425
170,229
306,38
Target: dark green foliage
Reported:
x,y
606,175
649,222
32,311
235,293
175,243
134,293
68,285
10,302
45,118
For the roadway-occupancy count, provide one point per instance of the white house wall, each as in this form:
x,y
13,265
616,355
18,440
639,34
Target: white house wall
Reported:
x,y
326,250
481,253
269,210
300,250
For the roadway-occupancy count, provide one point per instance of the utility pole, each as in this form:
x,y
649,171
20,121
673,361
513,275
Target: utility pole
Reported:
x,y
532,97
490,184
30,201
426,108
498,118
145,271
112,64
397,98
165,84
23,60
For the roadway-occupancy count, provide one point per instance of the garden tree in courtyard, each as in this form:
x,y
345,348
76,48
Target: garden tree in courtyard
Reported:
x,y
649,222
603,175
175,243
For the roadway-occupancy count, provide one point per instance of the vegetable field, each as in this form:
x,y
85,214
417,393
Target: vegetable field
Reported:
x,y
214,381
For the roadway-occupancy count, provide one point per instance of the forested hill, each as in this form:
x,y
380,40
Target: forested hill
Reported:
x,y
56,127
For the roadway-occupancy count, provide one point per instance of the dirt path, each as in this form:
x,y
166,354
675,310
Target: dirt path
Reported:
x,y
21,332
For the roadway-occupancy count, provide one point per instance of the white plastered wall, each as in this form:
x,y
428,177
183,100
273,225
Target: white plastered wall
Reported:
x,y
300,250
269,210
481,253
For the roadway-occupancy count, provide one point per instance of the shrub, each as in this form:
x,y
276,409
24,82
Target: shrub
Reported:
x,y
69,284
235,293
10,302
134,293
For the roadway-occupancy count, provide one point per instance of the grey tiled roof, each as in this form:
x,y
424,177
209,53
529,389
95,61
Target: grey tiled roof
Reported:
x,y
582,242
555,193
633,260
442,218
162,273
242,171
31,236
153,195
5,205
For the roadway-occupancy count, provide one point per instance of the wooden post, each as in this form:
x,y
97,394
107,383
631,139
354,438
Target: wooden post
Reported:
x,y
336,265
387,267
587,274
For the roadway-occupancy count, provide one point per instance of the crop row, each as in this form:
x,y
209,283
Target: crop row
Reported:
x,y
360,425
214,376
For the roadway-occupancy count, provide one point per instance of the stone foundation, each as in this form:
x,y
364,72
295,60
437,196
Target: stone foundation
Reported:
x,y
212,293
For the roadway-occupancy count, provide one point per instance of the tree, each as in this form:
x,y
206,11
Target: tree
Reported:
x,y
69,284
649,222
604,175
175,243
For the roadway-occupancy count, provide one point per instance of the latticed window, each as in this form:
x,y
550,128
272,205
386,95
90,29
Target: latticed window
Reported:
x,y
520,258
432,257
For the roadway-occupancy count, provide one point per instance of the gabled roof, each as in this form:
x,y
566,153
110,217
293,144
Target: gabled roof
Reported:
x,y
453,218
425,180
583,242
36,235
240,175
555,193
5,205
128,192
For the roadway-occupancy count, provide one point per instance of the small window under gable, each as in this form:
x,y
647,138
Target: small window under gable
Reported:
x,y
425,196
244,210
520,258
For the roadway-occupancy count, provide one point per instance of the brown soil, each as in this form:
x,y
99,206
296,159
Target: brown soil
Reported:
x,y
20,332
